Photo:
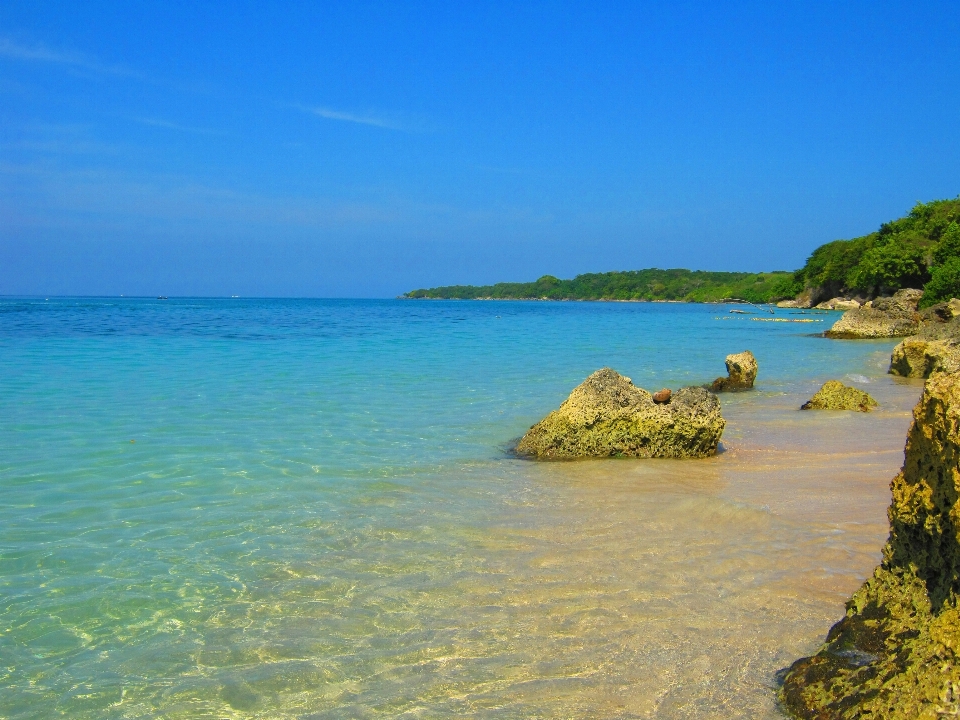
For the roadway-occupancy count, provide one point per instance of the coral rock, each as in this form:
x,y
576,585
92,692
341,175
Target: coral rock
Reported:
x,y
608,416
918,358
838,304
886,317
834,395
895,655
741,372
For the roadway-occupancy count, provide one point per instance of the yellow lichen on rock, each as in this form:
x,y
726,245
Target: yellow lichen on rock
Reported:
x,y
741,373
608,416
894,656
885,317
834,395
918,358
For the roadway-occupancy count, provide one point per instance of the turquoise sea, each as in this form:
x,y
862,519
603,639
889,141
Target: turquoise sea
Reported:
x,y
231,508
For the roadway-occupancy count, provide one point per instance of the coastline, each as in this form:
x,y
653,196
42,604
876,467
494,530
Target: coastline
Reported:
x,y
318,512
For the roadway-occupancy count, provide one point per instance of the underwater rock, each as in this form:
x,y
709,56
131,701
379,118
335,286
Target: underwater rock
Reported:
x,y
741,372
834,395
886,317
895,655
608,416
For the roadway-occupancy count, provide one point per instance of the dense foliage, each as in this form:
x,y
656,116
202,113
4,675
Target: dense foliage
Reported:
x,y
652,284
920,250
902,253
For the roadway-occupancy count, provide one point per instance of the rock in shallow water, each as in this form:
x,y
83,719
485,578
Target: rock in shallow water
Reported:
x,y
608,416
834,395
896,653
886,317
741,373
919,358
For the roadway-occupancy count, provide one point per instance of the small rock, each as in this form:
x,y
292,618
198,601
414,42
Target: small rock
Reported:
x,y
741,372
838,303
834,395
662,396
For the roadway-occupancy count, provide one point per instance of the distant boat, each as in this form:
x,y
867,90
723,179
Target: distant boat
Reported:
x,y
161,297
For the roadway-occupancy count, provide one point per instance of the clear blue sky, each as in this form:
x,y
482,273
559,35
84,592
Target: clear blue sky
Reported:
x,y
351,150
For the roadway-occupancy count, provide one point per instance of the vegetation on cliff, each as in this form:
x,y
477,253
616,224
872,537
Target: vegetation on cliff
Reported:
x,y
920,250
652,284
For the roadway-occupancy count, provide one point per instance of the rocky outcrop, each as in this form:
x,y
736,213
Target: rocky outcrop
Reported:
x,y
608,416
935,347
741,373
895,655
838,303
834,395
886,317
918,358
941,312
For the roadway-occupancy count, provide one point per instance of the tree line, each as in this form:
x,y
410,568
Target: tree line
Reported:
x,y
920,250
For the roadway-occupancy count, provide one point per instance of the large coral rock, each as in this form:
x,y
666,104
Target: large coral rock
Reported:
x,y
741,373
936,347
918,358
886,317
607,415
834,395
896,653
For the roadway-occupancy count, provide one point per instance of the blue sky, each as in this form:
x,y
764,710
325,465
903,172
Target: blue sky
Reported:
x,y
351,150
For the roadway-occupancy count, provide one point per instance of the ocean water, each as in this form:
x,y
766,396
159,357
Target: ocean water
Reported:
x,y
308,509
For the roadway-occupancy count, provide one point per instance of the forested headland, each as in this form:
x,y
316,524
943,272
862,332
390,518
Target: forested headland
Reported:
x,y
920,250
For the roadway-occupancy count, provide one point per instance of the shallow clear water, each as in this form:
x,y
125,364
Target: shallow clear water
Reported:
x,y
319,517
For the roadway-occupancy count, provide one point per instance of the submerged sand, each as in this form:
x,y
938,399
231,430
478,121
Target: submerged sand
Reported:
x,y
678,589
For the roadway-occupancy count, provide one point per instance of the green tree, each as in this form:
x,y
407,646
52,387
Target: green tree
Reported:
x,y
888,268
944,284
949,245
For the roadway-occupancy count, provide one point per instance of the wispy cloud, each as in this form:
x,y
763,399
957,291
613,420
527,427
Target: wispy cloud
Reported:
x,y
166,124
40,53
331,114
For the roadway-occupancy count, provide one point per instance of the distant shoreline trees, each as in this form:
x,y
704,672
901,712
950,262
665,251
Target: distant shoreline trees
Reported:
x,y
920,250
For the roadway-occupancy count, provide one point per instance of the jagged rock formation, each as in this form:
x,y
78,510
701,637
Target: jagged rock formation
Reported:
x,y
608,416
834,395
918,358
884,317
936,347
896,653
741,372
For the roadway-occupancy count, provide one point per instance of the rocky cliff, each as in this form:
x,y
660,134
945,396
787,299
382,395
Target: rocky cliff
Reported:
x,y
896,653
